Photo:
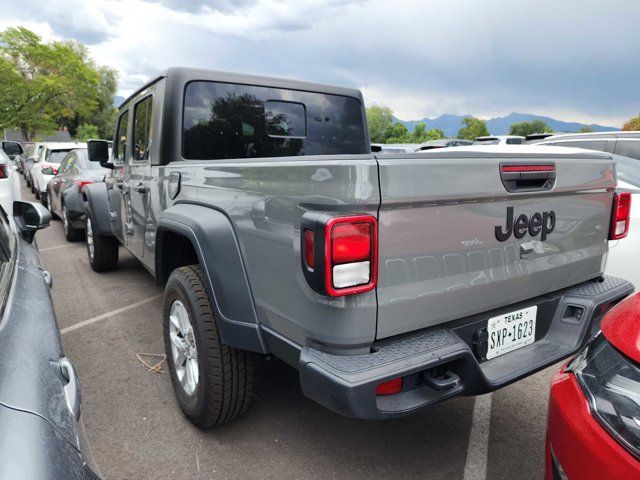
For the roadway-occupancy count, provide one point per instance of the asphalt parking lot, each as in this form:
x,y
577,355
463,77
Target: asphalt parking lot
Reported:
x,y
137,431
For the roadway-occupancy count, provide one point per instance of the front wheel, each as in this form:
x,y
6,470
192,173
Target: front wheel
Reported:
x,y
101,249
213,382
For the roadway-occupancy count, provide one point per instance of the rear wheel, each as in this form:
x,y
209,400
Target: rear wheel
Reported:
x,y
213,382
44,199
37,193
101,249
70,232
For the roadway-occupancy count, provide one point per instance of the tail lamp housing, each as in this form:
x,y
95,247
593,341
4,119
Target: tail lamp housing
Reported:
x,y
339,254
620,215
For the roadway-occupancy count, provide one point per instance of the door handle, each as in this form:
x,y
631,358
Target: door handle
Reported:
x,y
140,188
72,388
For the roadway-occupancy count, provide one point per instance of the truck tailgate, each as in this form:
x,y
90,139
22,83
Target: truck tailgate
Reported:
x,y
444,252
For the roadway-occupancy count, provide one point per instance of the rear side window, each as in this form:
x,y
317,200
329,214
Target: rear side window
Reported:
x,y
141,129
628,148
514,141
224,121
120,146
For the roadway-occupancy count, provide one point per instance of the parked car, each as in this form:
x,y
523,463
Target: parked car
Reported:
x,y
626,144
624,257
499,140
29,161
48,163
27,150
64,192
12,149
593,427
393,147
9,183
443,143
390,282
40,413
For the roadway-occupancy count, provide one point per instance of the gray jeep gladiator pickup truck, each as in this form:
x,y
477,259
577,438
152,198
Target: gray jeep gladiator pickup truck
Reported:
x,y
391,282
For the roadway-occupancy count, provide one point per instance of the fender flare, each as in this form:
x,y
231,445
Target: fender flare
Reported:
x,y
97,207
216,245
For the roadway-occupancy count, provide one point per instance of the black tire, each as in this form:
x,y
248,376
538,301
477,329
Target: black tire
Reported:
x,y
71,233
44,199
105,249
225,383
37,193
28,182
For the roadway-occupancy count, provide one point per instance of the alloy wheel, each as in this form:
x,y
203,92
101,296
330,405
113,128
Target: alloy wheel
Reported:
x,y
183,347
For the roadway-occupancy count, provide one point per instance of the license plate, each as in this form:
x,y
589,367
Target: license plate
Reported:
x,y
511,331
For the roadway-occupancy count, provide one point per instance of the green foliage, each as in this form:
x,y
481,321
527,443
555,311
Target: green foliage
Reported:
x,y
527,128
633,124
474,127
383,130
50,86
585,129
87,131
379,120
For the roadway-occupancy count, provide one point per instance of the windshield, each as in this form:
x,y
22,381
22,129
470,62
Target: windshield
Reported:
x,y
83,157
487,141
56,156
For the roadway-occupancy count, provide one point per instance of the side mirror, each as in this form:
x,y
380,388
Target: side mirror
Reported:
x,y
12,149
99,152
30,217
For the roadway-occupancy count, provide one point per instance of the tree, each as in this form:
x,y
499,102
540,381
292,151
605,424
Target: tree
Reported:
x,y
527,128
48,86
474,127
87,131
632,124
397,133
585,129
379,120
420,133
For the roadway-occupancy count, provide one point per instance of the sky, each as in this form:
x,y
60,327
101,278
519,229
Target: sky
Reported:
x,y
574,60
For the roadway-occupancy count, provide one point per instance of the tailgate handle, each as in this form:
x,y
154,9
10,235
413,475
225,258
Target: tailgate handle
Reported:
x,y
530,177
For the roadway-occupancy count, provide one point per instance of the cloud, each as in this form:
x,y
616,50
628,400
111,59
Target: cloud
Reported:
x,y
85,21
574,59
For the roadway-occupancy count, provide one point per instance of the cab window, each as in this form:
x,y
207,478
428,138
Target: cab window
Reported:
x,y
142,129
120,146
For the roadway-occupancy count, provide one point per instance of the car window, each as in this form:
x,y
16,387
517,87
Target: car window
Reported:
x,y
599,145
65,163
120,147
56,156
142,129
488,141
514,141
223,120
628,148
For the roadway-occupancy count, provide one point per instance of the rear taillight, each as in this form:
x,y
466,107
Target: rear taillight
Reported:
x,y
82,183
340,253
390,387
350,255
3,171
620,216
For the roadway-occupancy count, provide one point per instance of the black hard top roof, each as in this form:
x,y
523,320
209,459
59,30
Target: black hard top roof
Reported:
x,y
183,75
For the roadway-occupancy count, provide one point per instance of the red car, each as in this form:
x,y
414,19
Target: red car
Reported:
x,y
594,406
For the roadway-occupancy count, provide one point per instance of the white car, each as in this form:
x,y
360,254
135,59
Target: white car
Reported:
x,y
499,140
9,183
624,255
48,162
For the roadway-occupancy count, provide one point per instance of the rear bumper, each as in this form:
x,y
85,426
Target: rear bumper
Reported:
x,y
347,383
577,445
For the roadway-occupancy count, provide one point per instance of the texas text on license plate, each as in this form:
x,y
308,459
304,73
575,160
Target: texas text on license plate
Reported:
x,y
511,331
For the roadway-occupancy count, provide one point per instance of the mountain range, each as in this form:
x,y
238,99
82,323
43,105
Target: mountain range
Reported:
x,y
450,124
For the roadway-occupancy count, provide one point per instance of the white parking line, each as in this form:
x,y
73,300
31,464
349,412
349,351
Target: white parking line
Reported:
x,y
475,467
110,314
55,248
